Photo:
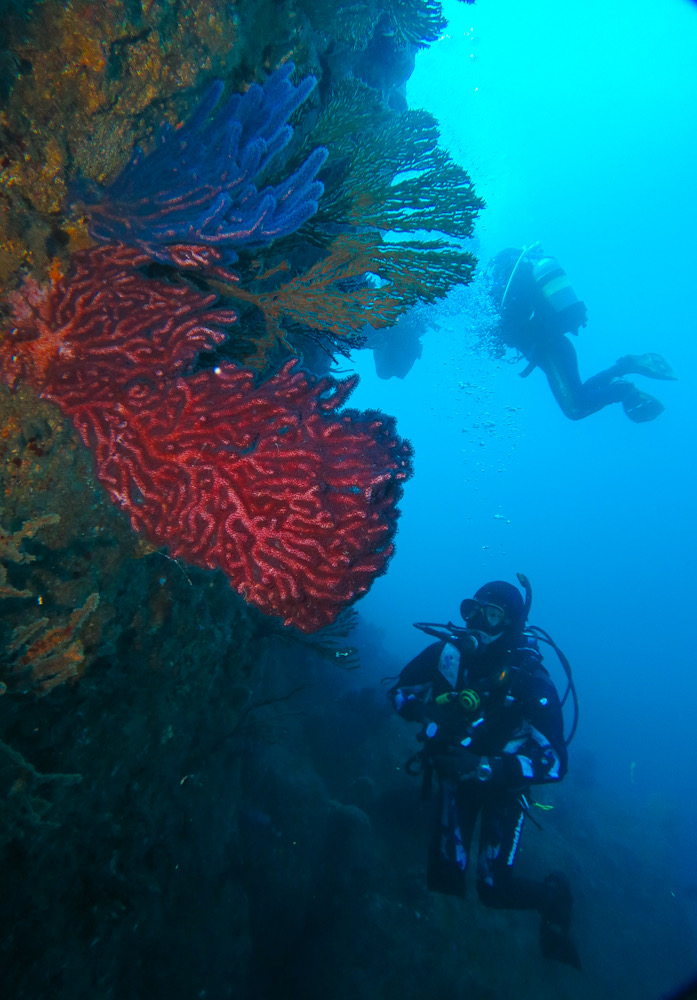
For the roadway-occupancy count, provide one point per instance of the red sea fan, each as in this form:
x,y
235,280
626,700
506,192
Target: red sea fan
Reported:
x,y
293,500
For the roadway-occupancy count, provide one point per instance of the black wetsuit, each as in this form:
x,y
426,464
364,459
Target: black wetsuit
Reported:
x,y
530,325
514,739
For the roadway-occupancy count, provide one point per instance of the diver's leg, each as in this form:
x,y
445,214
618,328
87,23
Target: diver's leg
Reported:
x,y
557,359
502,823
638,405
578,399
450,842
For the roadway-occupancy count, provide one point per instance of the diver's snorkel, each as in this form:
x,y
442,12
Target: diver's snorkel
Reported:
x,y
527,587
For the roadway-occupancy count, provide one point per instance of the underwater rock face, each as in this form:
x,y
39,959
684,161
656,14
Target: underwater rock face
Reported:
x,y
133,685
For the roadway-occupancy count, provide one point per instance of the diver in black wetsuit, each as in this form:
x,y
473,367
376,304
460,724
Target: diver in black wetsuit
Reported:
x,y
395,349
537,307
492,726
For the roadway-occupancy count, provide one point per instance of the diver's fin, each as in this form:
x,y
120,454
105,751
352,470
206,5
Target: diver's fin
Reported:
x,y
640,407
651,364
557,945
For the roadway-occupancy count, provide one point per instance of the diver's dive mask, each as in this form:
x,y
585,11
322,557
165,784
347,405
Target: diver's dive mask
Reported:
x,y
481,617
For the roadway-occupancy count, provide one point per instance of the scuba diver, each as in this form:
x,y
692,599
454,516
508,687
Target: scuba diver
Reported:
x,y
491,726
396,348
537,307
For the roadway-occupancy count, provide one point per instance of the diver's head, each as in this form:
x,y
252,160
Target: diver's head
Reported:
x,y
497,611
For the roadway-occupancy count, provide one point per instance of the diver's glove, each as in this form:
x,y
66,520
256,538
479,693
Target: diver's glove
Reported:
x,y
459,764
409,702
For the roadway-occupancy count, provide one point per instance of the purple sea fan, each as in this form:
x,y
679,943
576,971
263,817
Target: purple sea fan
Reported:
x,y
193,199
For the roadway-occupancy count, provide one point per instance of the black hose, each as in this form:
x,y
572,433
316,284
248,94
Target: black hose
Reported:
x,y
571,687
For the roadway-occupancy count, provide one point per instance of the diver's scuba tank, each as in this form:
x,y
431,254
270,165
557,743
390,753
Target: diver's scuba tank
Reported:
x,y
555,288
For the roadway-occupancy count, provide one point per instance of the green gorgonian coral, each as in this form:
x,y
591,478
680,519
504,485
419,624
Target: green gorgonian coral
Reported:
x,y
388,231
412,22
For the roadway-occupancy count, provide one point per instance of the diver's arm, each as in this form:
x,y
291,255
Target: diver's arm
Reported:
x,y
414,688
531,762
537,754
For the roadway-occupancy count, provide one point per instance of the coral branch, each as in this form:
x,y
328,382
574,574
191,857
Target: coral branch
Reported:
x,y
412,22
396,207
293,500
332,295
396,178
10,549
193,200
52,655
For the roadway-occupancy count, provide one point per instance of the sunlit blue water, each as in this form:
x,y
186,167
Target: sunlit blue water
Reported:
x,y
578,125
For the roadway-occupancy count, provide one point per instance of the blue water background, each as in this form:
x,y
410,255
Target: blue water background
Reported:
x,y
577,123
